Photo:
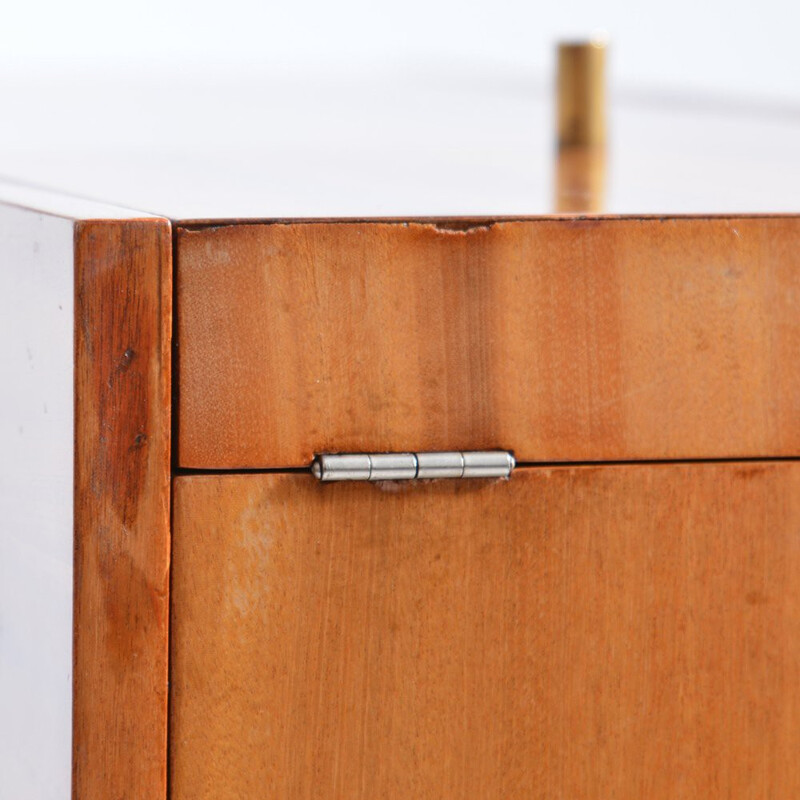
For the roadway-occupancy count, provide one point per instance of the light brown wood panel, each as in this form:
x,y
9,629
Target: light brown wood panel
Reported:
x,y
123,316
563,340
578,632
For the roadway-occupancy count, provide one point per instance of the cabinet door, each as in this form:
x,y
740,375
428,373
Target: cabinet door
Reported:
x,y
563,339
579,632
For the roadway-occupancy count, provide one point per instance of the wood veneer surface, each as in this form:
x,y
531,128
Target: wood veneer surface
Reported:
x,y
123,314
579,632
563,340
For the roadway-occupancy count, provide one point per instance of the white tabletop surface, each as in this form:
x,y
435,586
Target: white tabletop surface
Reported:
x,y
274,144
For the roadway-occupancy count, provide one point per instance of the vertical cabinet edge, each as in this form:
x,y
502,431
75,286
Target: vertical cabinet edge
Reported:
x,y
123,324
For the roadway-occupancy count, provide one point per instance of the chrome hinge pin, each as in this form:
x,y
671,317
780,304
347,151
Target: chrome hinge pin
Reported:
x,y
410,466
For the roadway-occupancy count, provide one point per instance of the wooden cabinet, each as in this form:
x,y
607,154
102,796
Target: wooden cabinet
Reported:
x,y
186,612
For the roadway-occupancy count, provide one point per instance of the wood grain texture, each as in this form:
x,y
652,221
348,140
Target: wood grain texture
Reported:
x,y
122,499
563,340
587,632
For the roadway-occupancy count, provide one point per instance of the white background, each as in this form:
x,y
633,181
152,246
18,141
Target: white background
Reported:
x,y
356,108
745,49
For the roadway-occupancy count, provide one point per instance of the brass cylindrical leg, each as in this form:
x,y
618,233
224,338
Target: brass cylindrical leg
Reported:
x,y
581,127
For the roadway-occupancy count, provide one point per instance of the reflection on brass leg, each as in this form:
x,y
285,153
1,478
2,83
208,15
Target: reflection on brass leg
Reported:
x,y
580,179
581,127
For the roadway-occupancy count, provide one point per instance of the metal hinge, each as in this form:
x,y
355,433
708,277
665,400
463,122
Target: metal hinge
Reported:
x,y
411,466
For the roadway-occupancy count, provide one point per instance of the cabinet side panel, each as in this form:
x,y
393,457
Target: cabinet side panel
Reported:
x,y
36,504
122,423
